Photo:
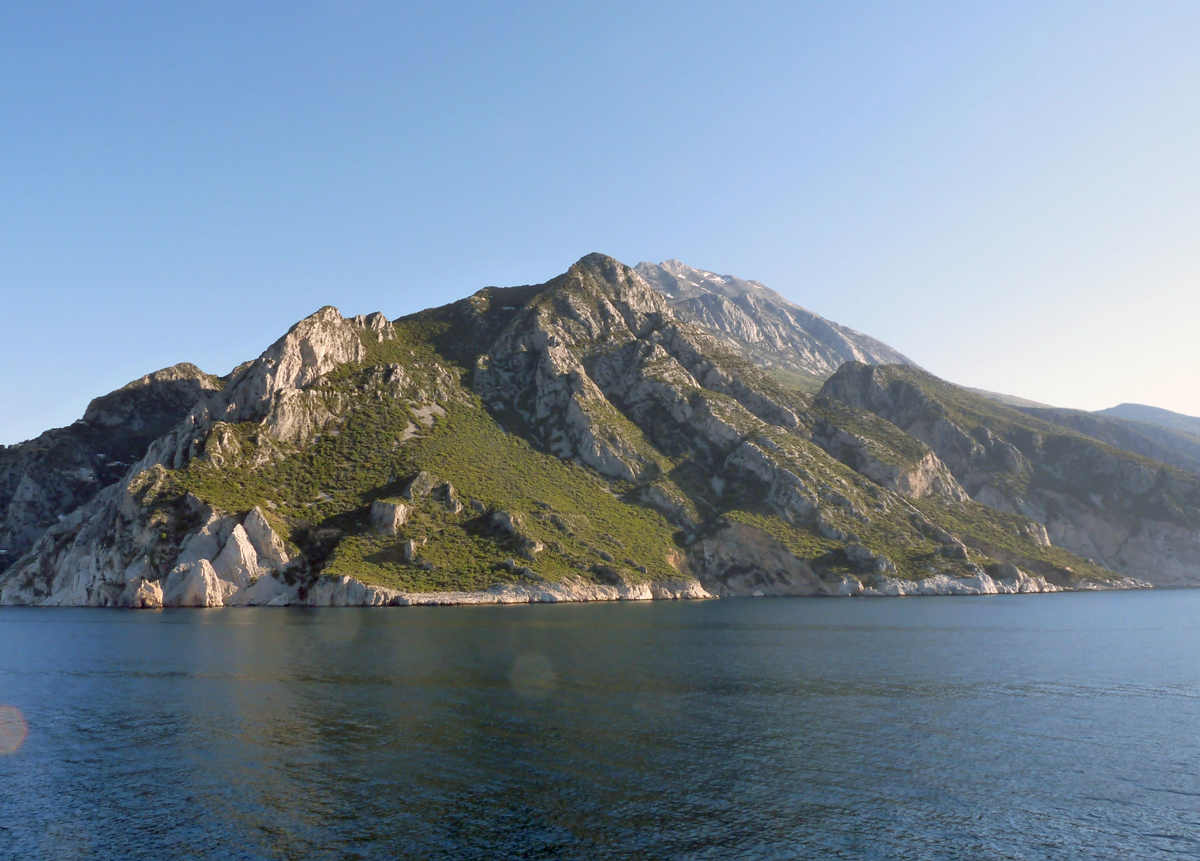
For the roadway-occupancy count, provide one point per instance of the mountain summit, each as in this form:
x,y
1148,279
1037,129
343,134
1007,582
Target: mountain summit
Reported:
x,y
583,439
755,321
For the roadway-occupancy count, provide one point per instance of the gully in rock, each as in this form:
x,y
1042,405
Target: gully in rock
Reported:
x,y
612,434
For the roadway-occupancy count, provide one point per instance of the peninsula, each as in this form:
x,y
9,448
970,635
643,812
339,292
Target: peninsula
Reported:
x,y
614,433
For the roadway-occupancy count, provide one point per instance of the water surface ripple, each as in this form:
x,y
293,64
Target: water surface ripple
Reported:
x,y
1023,727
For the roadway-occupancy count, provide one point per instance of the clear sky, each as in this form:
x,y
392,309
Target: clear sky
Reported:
x,y
1008,193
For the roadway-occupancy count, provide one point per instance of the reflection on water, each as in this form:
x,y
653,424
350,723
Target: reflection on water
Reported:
x,y
1027,727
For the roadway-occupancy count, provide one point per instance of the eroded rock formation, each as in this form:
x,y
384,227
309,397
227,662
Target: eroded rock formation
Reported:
x,y
581,439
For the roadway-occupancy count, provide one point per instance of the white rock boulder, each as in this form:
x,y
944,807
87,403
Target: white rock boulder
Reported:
x,y
196,584
237,563
388,517
267,544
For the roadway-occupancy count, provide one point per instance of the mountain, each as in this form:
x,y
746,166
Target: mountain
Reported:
x,y
1008,400
572,440
44,479
1165,439
1149,440
798,347
1154,416
1126,512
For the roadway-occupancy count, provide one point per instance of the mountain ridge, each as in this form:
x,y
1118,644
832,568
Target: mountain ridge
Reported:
x,y
1154,416
762,325
577,439
1124,510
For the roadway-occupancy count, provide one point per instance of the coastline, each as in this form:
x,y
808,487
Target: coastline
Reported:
x,y
345,591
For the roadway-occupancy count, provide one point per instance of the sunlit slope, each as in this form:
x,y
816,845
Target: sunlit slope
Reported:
x,y
575,431
1128,512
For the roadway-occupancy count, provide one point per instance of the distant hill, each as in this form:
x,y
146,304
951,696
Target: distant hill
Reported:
x,y
1168,437
1154,416
1009,400
1162,444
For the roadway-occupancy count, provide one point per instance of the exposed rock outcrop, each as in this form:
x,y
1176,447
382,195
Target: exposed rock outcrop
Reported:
x,y
760,324
271,549
739,560
925,476
44,479
1128,513
388,517
574,440
346,591
276,388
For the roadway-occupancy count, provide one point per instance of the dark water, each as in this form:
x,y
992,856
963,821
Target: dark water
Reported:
x,y
1059,726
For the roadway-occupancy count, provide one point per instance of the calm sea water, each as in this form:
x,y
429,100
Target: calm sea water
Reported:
x,y
1058,726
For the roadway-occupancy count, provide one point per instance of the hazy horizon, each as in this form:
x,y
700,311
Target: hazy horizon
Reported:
x,y
1004,193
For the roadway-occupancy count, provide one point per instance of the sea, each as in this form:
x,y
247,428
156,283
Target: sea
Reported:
x,y
1059,726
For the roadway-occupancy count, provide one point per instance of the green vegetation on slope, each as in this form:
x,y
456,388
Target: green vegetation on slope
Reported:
x,y
321,493
564,506
1072,463
570,522
891,445
807,384
1004,538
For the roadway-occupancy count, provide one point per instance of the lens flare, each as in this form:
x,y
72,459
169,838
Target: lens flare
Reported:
x,y
13,729
533,675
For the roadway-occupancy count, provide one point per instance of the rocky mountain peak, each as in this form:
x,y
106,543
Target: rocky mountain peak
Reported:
x,y
689,280
312,348
589,433
46,478
761,325
141,403
276,387
609,280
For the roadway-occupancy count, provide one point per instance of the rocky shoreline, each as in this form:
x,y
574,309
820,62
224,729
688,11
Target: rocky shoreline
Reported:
x,y
345,591
235,561
570,441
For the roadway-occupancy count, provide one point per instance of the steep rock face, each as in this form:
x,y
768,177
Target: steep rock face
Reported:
x,y
1129,513
537,364
99,551
277,387
111,540
740,560
271,550
598,363
916,474
45,479
760,324
573,440
121,551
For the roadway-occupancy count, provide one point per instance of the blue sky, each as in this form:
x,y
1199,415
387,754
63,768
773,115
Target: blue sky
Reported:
x,y
1008,193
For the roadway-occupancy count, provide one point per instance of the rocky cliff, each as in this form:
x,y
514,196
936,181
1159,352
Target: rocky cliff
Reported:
x,y
1126,512
754,321
573,440
44,479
